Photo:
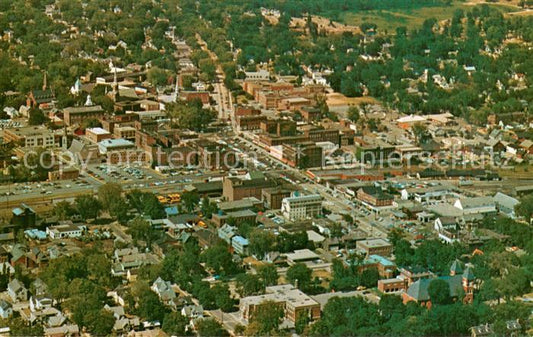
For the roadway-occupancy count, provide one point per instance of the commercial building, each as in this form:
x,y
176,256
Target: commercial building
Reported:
x,y
125,132
251,185
272,197
76,115
238,217
250,203
374,196
375,247
65,229
301,207
121,151
392,285
294,303
476,205
303,155
96,135
31,136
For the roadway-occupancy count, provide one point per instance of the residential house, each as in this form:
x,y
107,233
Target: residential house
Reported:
x,y
240,245
41,302
227,232
69,330
6,309
448,229
17,291
164,290
513,327
193,311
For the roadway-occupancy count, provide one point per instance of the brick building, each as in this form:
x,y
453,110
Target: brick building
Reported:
x,y
249,186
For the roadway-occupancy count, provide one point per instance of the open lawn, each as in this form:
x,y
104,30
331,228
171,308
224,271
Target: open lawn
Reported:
x,y
412,18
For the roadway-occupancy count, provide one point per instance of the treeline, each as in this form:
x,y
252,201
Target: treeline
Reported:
x,y
300,7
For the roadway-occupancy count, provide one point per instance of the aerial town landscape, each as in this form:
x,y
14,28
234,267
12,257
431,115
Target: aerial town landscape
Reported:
x,y
266,168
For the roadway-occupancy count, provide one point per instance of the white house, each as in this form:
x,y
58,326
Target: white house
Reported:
x,y
164,290
17,291
447,228
42,302
6,309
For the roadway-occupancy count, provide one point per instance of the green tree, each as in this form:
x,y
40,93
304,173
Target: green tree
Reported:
x,y
37,117
63,210
87,206
299,275
268,273
175,324
419,131
110,196
100,323
439,292
190,200
219,259
354,114
370,277
268,316
142,230
222,296
248,284
157,76
209,327
525,207
18,327
261,242
208,207
148,305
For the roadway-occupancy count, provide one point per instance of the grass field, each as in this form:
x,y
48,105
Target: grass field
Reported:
x,y
412,18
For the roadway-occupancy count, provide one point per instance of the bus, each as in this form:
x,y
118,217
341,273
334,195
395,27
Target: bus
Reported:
x,y
162,199
174,198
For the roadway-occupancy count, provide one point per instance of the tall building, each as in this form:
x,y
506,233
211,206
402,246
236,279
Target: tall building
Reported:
x,y
301,207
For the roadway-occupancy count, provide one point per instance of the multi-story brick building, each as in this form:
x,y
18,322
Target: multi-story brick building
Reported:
x,y
374,196
75,115
379,247
295,303
272,197
31,136
251,185
97,135
303,155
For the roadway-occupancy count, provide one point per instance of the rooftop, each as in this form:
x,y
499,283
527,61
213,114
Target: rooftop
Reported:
x,y
98,131
373,243
302,254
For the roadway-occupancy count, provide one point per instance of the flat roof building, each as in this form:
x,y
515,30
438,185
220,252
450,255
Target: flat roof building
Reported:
x,y
301,207
293,301
375,247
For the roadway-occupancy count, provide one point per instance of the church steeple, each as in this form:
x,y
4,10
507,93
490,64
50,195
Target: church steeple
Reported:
x,y
115,93
44,82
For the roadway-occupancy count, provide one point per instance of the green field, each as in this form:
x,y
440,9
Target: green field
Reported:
x,y
412,18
